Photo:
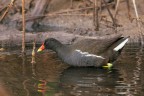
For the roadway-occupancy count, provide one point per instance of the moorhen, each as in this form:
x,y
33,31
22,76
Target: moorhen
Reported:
x,y
88,51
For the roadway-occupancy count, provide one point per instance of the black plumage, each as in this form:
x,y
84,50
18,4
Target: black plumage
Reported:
x,y
89,51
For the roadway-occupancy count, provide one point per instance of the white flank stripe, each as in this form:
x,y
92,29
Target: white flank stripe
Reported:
x,y
121,45
88,54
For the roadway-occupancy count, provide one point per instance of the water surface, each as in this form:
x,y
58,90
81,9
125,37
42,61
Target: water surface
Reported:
x,y
48,76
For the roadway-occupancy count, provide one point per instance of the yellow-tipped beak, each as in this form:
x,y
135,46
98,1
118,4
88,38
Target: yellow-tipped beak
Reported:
x,y
41,48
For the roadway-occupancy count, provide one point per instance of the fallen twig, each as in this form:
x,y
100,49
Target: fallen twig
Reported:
x,y
72,10
8,8
128,7
116,9
113,20
60,13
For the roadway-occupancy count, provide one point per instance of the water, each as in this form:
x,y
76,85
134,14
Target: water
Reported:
x,y
50,77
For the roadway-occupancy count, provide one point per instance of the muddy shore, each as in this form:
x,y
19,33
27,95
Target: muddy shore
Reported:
x,y
68,26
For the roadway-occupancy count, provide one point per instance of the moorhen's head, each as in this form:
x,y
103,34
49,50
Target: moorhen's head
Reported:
x,y
50,43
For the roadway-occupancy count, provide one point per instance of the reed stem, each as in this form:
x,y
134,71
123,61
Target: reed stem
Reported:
x,y
96,15
23,26
139,23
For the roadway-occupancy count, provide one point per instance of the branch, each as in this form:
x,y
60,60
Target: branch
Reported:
x,y
8,8
23,26
114,23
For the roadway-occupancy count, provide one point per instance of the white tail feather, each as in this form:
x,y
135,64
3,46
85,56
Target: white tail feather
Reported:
x,y
121,45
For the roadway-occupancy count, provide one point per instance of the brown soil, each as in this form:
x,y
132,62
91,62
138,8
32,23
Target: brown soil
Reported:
x,y
67,24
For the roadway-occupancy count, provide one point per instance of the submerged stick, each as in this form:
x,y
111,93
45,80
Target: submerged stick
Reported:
x,y
33,52
34,47
23,55
23,26
33,61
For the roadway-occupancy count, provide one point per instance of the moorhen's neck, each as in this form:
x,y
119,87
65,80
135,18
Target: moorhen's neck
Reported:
x,y
54,45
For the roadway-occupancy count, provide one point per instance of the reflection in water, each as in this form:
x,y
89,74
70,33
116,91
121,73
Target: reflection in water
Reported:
x,y
48,76
42,86
25,87
88,81
132,87
33,61
24,71
17,73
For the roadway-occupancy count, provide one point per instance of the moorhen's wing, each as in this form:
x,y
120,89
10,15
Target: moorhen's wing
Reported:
x,y
95,45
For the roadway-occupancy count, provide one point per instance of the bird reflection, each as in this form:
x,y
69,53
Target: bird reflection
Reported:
x,y
88,81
